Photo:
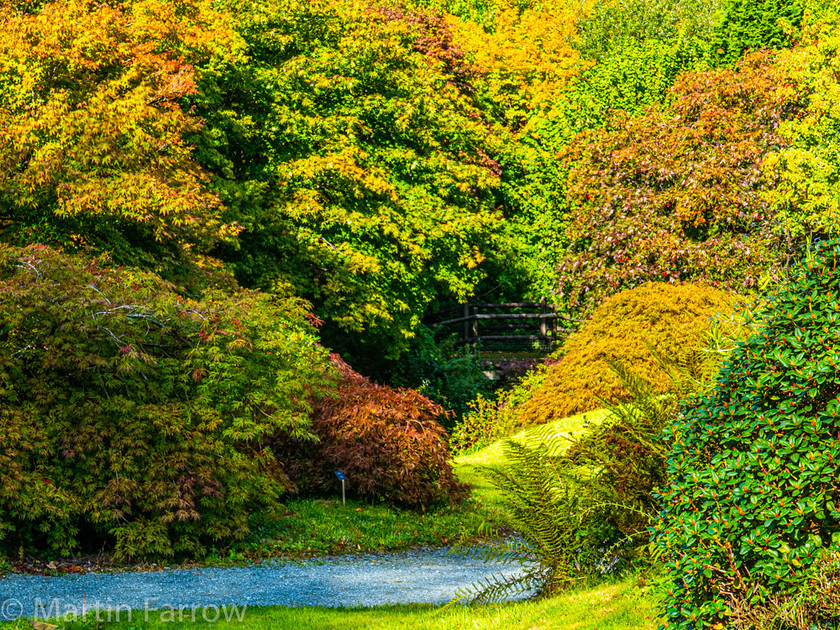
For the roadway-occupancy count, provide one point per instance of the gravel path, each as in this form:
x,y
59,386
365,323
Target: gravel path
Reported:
x,y
422,576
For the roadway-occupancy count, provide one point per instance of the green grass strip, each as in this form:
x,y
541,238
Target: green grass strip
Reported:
x,y
607,607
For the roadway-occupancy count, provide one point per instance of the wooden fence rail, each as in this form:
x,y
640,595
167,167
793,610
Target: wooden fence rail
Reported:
x,y
543,328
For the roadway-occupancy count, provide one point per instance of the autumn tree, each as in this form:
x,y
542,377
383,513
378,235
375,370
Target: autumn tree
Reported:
x,y
389,442
525,60
678,193
92,134
550,70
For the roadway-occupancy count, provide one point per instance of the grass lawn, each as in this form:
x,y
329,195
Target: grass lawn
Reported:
x,y
319,527
325,526
311,528
607,607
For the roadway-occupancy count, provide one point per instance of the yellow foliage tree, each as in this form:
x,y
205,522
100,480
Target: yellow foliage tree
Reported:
x,y
527,58
93,137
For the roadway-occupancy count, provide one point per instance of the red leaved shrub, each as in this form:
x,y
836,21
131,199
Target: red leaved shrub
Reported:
x,y
388,442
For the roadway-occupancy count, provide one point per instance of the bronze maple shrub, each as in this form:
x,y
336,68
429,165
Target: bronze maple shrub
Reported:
x,y
134,418
661,316
388,442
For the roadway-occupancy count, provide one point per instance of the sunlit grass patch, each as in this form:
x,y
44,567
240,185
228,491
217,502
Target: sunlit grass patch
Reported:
x,y
617,606
564,428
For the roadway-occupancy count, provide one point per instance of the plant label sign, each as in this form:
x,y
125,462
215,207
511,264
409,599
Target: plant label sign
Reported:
x,y
341,478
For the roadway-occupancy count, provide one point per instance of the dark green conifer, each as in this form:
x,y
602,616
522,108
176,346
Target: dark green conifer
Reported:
x,y
746,25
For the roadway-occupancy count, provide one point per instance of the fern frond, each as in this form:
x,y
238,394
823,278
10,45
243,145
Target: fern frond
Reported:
x,y
499,588
505,551
546,499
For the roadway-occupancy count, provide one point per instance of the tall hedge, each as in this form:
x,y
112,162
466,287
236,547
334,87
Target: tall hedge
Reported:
x,y
754,489
658,315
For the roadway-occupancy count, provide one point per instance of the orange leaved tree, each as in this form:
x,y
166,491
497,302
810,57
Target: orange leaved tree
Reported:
x,y
92,136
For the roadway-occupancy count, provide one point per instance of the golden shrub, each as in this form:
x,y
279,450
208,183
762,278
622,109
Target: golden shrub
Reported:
x,y
668,318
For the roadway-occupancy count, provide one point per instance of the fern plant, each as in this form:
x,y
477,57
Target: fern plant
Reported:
x,y
548,506
626,453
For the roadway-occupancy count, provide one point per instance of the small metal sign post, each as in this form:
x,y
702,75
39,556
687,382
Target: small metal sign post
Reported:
x,y
341,478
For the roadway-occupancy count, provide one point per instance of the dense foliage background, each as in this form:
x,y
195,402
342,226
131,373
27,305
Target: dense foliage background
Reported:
x,y
201,200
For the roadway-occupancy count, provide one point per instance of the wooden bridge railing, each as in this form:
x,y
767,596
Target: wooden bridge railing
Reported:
x,y
537,323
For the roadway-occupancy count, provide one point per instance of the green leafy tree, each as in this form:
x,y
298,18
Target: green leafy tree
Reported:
x,y
745,25
807,169
611,27
347,144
